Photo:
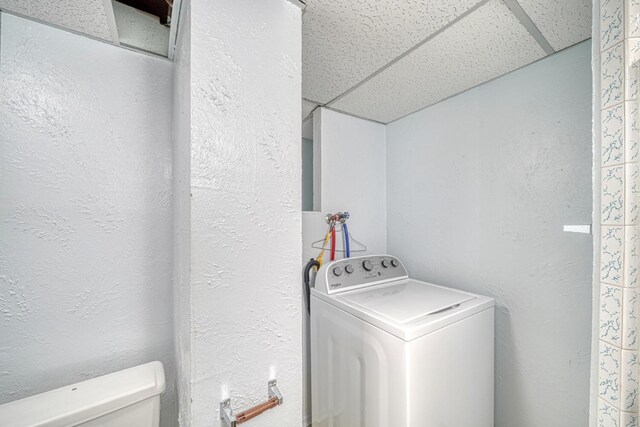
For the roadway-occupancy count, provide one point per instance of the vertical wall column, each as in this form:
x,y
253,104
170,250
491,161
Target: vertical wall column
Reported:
x,y
619,241
239,293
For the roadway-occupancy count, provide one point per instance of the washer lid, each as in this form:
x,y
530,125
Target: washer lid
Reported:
x,y
407,301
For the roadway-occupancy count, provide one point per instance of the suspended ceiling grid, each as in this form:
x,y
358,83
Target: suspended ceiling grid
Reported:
x,y
377,59
90,17
384,59
107,20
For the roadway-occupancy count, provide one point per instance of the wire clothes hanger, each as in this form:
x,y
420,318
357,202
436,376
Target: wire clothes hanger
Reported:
x,y
360,247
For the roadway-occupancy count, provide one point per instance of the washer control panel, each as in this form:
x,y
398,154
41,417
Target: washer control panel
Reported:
x,y
352,273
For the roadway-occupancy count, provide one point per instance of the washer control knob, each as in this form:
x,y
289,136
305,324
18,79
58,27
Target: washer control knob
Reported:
x,y
337,271
348,268
367,265
385,263
394,262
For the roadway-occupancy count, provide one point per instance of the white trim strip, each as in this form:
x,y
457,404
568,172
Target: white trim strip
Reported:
x,y
111,21
173,29
586,229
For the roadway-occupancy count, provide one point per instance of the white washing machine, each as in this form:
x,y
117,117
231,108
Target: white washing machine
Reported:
x,y
390,351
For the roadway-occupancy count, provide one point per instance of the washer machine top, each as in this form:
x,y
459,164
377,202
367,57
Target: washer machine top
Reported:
x,y
377,289
407,301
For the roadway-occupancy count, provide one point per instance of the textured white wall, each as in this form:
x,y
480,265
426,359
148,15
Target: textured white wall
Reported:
x,y
181,212
246,304
479,187
85,210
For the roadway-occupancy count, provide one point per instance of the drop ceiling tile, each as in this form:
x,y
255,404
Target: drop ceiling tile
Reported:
x,y
307,108
563,23
346,41
486,44
83,16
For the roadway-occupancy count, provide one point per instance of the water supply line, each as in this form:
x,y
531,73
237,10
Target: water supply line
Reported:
x,y
347,248
307,281
332,220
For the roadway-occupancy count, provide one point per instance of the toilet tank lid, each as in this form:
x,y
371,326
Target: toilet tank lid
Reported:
x,y
84,401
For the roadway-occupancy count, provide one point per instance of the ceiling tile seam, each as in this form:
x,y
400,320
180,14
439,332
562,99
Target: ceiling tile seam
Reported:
x,y
483,83
310,115
408,51
311,101
349,114
530,26
78,33
301,4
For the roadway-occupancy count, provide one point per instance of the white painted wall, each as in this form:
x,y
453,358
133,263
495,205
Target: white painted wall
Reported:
x,y
354,175
85,210
245,171
182,212
479,187
350,167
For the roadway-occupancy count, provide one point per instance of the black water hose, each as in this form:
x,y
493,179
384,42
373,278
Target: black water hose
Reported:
x,y
307,279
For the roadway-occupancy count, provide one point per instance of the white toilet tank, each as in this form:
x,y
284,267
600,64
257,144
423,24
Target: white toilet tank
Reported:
x,y
125,398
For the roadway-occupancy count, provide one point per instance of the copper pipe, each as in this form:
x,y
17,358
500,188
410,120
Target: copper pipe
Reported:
x,y
244,416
